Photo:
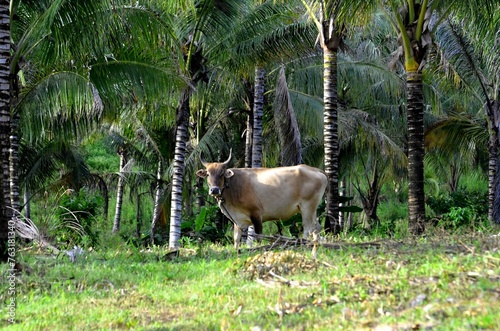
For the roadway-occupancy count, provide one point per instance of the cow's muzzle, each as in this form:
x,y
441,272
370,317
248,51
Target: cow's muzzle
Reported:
x,y
215,191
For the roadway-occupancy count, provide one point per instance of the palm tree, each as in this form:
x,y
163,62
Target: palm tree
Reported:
x,y
76,84
412,21
4,125
471,56
208,23
331,19
120,187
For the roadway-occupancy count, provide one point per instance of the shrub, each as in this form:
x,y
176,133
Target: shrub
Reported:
x,y
459,209
207,224
82,207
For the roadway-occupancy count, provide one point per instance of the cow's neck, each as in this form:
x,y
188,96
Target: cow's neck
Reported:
x,y
220,198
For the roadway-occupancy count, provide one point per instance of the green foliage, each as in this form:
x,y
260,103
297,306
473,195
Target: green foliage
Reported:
x,y
82,206
100,157
460,209
203,226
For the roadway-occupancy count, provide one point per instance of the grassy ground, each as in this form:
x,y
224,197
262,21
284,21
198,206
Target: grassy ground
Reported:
x,y
440,282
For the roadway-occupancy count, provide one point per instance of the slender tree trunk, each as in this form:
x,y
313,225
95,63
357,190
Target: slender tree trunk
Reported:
x,y
119,192
258,110
157,206
493,176
248,141
492,108
27,203
331,140
415,115
342,193
370,200
5,99
181,139
138,215
200,197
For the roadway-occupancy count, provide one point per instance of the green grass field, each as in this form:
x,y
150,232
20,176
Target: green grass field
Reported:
x,y
440,282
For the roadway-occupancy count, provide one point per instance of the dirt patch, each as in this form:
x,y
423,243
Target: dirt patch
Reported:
x,y
280,263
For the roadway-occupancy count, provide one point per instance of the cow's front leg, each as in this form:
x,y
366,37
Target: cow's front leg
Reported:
x,y
237,236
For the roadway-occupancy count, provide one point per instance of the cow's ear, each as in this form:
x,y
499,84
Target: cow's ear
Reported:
x,y
202,173
229,173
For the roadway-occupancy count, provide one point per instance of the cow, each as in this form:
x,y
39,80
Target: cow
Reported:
x,y
250,196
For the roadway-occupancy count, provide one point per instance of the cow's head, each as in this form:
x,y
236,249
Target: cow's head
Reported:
x,y
216,174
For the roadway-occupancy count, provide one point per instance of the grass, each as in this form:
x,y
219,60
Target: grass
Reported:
x,y
441,282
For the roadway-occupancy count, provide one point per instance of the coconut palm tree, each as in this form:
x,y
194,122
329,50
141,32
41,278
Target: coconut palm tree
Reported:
x,y
412,21
4,125
470,53
332,19
120,188
69,88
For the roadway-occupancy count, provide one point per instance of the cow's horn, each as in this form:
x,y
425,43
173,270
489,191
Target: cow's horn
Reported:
x,y
205,163
229,158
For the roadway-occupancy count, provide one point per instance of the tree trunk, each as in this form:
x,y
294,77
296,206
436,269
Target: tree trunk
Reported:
x,y
5,99
14,167
248,141
258,110
138,215
181,138
27,203
493,175
415,116
200,197
370,201
119,192
157,205
331,140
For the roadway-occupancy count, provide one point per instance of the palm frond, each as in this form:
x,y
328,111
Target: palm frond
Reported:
x,y
286,123
457,132
60,104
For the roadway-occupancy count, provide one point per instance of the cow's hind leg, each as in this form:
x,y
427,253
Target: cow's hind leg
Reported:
x,y
255,228
309,219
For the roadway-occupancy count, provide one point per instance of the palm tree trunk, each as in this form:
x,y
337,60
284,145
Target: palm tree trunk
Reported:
x,y
14,167
27,203
331,140
415,116
181,138
5,99
258,109
248,141
157,207
119,192
493,164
